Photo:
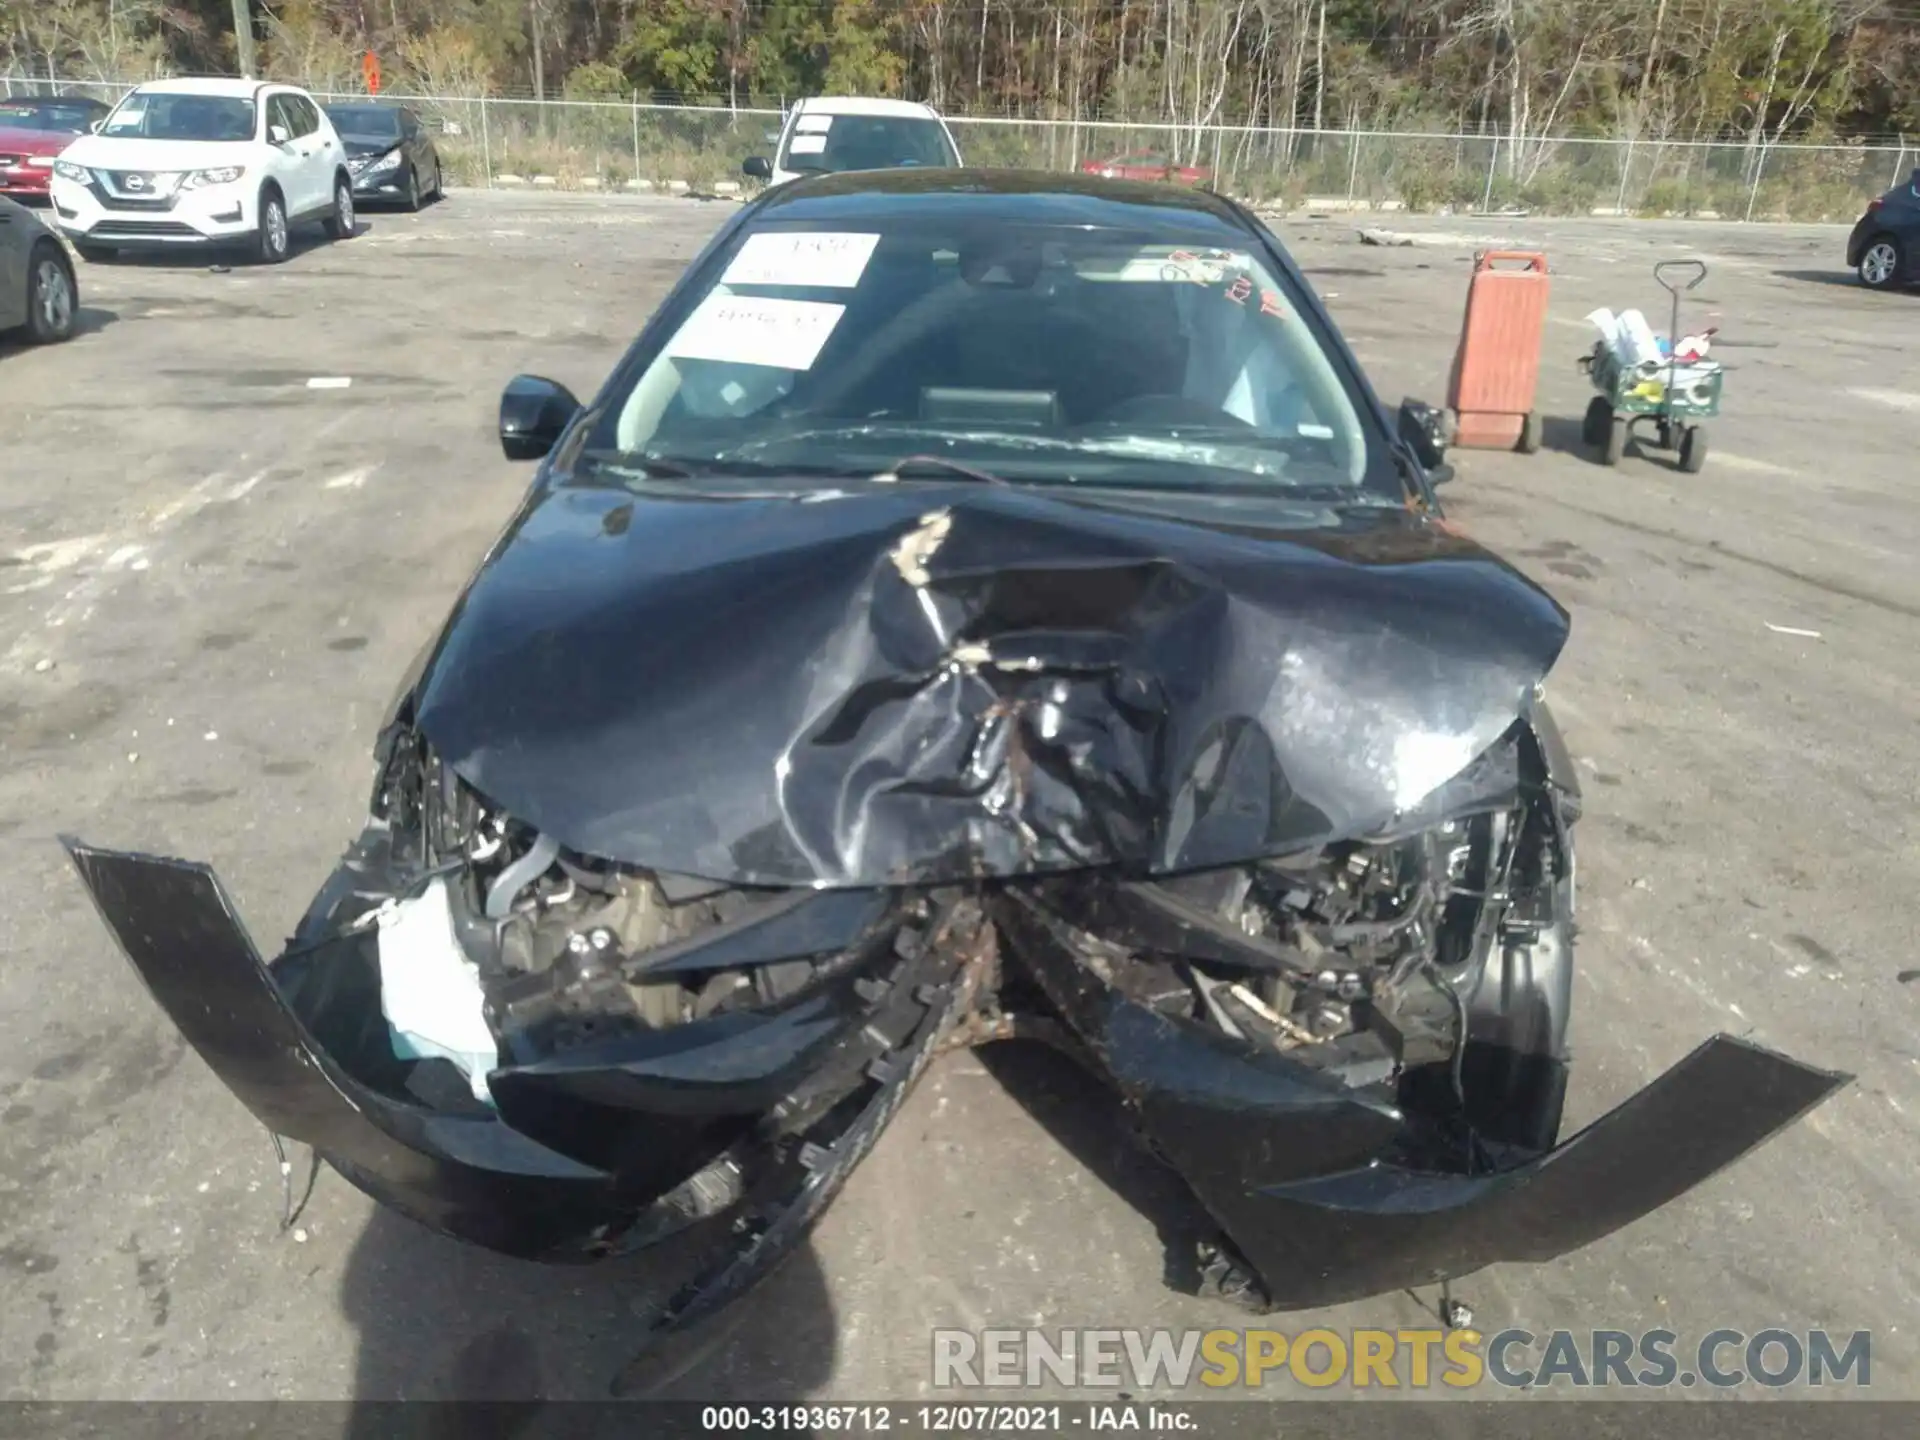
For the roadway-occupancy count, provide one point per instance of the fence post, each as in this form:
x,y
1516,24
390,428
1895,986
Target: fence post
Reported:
x,y
486,143
1486,202
636,140
1899,163
1626,168
1353,165
1753,195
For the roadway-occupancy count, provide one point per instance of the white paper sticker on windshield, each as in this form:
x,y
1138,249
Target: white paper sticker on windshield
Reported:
x,y
744,330
810,258
813,124
807,145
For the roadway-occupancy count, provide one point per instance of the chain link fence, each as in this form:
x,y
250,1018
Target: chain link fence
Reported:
x,y
644,145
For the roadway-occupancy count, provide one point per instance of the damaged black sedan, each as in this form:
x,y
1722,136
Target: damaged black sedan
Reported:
x,y
978,606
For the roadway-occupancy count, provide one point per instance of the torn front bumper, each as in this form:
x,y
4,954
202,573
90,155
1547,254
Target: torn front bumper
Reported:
x,y
580,1160
1328,1191
1315,1184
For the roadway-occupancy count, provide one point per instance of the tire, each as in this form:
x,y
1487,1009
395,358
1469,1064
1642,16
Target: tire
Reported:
x,y
273,237
53,296
340,217
1530,432
439,182
413,201
1593,429
1614,446
1883,264
1693,450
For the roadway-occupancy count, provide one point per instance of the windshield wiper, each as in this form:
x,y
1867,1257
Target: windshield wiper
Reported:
x,y
631,465
901,468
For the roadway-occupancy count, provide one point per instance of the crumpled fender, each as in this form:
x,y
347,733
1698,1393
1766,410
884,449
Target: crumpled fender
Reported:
x,y
1310,1179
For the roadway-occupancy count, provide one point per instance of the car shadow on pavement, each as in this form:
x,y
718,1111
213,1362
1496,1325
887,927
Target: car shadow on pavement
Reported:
x,y
89,320
1084,1117
1842,279
195,257
438,1320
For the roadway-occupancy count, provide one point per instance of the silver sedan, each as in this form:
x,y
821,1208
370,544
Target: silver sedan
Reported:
x,y
38,293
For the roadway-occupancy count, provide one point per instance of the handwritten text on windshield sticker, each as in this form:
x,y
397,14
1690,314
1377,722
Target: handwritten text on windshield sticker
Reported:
x,y
833,261
748,330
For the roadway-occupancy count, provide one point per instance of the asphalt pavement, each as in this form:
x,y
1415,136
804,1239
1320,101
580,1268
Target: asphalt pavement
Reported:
x,y
213,572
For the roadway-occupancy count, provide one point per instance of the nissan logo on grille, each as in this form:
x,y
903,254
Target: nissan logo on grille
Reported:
x,y
136,182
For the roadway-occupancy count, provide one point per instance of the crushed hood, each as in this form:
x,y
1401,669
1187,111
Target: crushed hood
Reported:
x,y
927,682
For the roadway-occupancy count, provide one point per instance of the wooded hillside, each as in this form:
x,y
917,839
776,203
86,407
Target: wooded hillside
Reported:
x,y
1755,71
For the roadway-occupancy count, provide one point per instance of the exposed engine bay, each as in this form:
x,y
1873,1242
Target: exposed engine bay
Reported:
x,y
1356,958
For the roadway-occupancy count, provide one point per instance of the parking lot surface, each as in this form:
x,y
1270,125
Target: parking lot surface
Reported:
x,y
214,573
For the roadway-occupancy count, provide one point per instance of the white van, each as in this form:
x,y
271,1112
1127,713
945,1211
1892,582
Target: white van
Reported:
x,y
835,133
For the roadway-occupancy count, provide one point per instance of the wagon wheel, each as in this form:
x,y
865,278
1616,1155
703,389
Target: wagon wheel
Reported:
x,y
1593,429
1693,449
1614,443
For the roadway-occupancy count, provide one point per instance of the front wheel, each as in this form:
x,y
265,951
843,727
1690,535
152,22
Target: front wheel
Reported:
x,y
52,297
271,240
1593,429
413,190
340,217
1881,264
1615,444
1693,450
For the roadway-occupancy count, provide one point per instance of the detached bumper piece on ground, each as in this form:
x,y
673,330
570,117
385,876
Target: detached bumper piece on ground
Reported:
x,y
1273,835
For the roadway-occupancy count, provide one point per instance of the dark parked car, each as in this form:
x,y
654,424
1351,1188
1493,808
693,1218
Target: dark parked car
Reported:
x,y
978,605
39,296
33,132
1886,240
389,153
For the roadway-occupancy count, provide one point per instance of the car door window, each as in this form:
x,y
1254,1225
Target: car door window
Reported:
x,y
306,119
278,113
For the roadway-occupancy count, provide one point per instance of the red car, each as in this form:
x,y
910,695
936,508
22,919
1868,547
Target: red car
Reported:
x,y
1147,165
33,131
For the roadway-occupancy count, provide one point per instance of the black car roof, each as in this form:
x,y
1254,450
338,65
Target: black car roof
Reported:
x,y
1019,196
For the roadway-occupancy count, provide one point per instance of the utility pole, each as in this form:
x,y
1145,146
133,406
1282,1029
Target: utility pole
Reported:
x,y
243,37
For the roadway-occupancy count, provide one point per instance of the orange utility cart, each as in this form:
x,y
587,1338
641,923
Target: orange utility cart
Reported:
x,y
1497,366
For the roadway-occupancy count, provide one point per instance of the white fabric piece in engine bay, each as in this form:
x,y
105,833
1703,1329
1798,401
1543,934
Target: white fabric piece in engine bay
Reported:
x,y
430,991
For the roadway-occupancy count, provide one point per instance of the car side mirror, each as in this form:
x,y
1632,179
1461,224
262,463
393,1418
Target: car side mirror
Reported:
x,y
1423,430
757,166
534,414
277,134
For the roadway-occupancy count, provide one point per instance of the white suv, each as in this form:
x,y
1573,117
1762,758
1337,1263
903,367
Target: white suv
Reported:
x,y
204,162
